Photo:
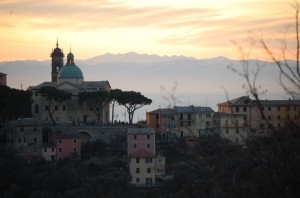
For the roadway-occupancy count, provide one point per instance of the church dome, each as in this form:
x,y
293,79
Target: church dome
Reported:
x,y
70,56
70,70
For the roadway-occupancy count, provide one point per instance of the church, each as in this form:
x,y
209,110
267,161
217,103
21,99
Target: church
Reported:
x,y
69,78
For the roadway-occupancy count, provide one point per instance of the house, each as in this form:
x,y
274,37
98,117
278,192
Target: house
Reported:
x,y
258,116
145,166
164,122
26,137
62,146
3,80
231,127
69,78
181,121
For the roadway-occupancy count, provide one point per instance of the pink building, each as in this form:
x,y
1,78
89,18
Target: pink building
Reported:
x,y
62,146
145,166
141,139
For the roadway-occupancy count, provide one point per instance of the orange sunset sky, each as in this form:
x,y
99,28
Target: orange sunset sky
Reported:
x,y
197,28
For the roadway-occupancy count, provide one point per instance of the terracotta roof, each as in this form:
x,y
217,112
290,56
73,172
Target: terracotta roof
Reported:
x,y
141,153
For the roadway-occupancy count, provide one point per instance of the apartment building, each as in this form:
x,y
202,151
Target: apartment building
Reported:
x,y
258,118
146,167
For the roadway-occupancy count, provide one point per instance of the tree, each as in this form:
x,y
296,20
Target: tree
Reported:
x,y
98,100
55,99
114,95
132,101
14,103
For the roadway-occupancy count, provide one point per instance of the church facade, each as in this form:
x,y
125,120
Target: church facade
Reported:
x,y
69,78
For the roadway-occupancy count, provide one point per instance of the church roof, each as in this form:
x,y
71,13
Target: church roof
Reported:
x,y
95,84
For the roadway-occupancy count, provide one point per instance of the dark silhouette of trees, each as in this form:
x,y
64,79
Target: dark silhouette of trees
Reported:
x,y
55,99
115,95
133,101
14,103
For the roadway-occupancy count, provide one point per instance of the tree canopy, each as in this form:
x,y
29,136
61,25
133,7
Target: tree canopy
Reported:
x,y
132,101
55,97
14,103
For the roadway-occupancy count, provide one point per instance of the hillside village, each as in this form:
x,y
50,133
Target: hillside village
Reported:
x,y
71,118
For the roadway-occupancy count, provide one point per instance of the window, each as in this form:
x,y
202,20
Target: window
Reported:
x,y
34,129
35,140
24,140
237,109
245,117
189,116
52,149
262,108
91,109
137,180
36,93
137,170
237,131
36,108
59,140
134,137
181,116
157,116
64,108
74,140
74,149
137,160
46,108
157,126
189,123
148,137
148,160
45,149
287,108
269,117
134,145
60,150
278,125
278,117
269,108
148,145
19,140
244,109
148,170
181,123
207,123
172,117
22,129
227,131
278,108
56,108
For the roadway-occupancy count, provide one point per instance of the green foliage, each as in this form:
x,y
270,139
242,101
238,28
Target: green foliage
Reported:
x,y
14,103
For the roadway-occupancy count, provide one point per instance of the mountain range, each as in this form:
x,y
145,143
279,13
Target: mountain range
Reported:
x,y
193,81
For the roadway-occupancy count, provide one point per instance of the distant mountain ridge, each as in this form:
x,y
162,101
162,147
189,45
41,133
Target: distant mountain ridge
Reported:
x,y
132,57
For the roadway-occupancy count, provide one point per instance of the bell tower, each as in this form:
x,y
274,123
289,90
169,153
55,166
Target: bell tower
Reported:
x,y
57,63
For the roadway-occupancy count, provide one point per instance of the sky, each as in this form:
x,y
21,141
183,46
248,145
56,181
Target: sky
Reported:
x,y
29,29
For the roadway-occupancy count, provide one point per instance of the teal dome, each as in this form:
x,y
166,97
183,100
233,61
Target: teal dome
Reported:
x,y
70,71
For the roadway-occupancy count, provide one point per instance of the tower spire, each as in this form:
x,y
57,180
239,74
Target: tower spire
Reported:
x,y
57,42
